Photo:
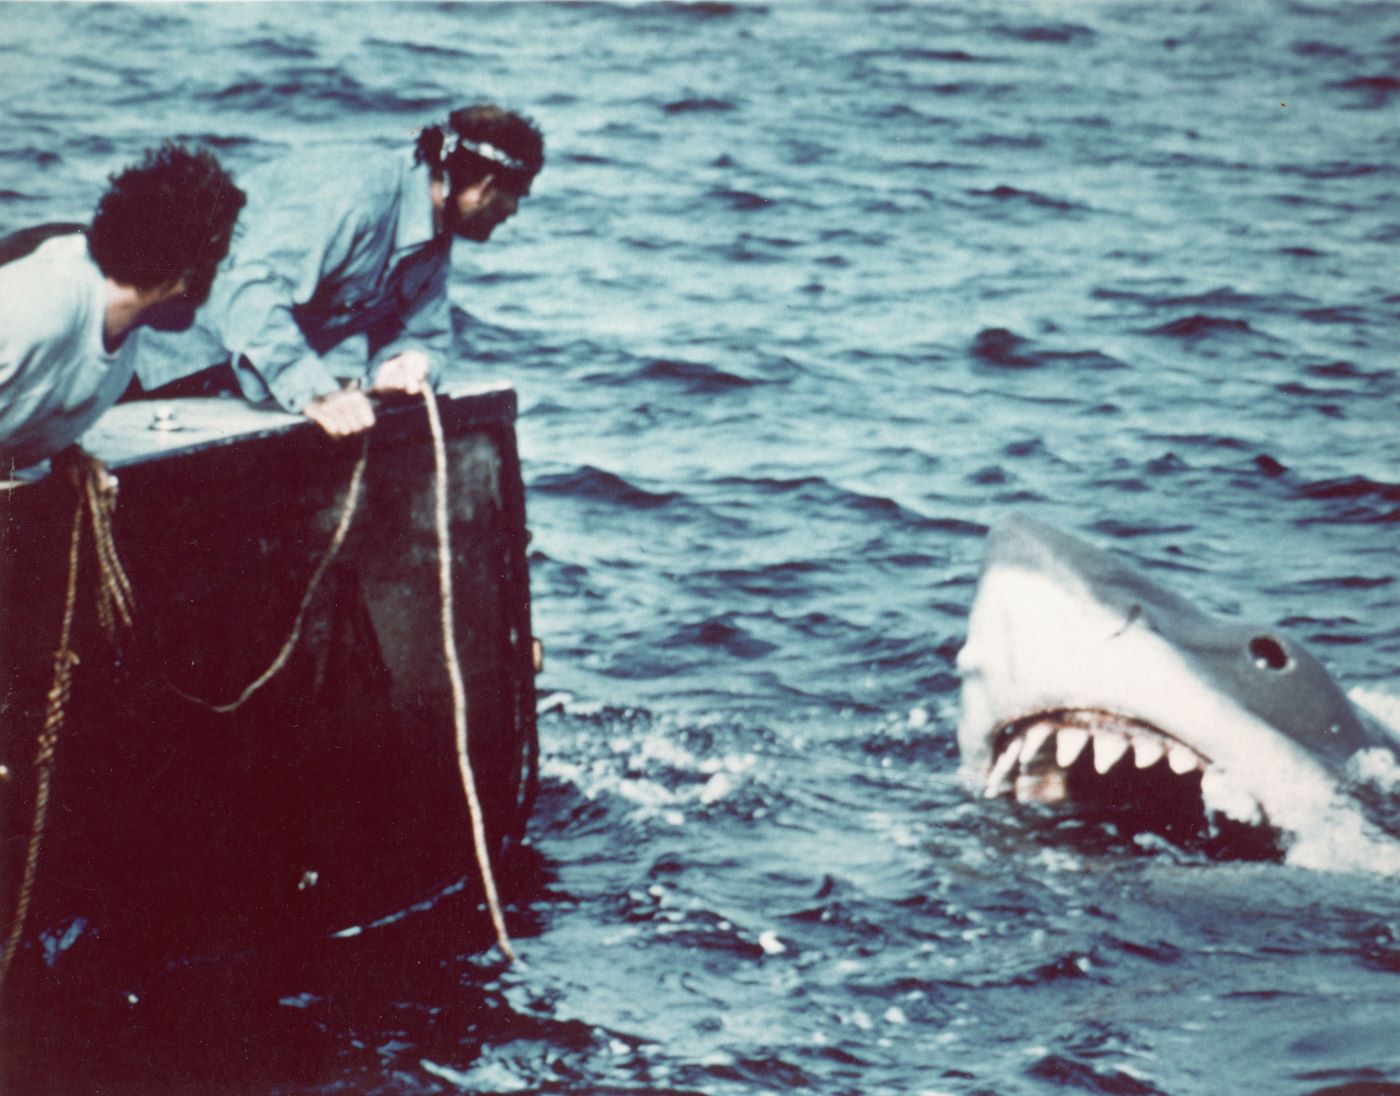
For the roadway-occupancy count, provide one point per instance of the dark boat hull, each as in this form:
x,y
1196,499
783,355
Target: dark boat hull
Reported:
x,y
332,798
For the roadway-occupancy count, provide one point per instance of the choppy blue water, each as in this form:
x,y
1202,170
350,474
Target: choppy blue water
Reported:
x,y
807,296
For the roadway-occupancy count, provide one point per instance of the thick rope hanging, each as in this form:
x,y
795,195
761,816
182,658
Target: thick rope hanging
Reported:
x,y
63,662
454,673
347,514
114,594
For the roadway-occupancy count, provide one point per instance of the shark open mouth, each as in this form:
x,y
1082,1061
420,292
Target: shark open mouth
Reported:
x,y
1109,709
1108,767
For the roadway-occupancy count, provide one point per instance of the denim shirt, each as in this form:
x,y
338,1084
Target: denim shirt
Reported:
x,y
335,267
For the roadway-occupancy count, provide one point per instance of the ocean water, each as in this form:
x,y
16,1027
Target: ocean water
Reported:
x,y
808,296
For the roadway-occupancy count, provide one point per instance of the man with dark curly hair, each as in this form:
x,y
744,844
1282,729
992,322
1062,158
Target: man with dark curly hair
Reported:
x,y
338,278
69,297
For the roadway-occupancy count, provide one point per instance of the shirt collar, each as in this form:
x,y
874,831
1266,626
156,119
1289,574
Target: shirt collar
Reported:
x,y
416,212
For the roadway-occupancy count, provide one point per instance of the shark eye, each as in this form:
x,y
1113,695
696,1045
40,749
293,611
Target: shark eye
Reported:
x,y
1268,653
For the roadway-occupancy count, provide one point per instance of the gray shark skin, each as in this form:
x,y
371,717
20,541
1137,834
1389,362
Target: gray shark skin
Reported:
x,y
1087,686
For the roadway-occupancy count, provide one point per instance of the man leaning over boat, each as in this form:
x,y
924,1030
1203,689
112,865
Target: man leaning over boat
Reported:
x,y
70,296
338,278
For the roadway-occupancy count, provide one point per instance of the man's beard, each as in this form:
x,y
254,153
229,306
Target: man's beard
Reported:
x,y
176,314
476,226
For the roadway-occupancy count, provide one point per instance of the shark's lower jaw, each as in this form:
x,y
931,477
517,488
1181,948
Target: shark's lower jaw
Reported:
x,y
1103,766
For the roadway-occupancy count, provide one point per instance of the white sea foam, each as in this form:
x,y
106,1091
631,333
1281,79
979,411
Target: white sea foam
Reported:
x,y
1383,706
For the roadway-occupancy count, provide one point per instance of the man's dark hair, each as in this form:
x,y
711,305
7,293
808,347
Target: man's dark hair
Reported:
x,y
168,217
484,124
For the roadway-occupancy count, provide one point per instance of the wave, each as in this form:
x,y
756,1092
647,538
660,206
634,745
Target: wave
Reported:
x,y
1059,34
1005,349
1027,141
968,87
1320,49
1199,325
1375,91
916,53
594,484
702,10
698,378
699,106
1343,314
743,201
1333,169
722,633
1223,297
801,494
421,49
219,142
1062,1071
1351,487
1353,500
1322,399
1127,530
39,157
307,91
1001,347
938,165
1345,582
789,579
699,11
691,377
288,46
1344,370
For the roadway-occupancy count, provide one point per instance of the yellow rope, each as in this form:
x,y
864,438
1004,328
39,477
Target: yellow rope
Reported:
x,y
115,597
63,663
454,673
347,513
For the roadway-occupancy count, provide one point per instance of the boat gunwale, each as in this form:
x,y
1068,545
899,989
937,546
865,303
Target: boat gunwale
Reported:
x,y
128,436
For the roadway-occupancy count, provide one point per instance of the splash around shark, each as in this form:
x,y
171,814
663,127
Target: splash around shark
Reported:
x,y
1090,689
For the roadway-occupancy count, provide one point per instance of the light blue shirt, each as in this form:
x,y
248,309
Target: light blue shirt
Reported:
x,y
335,267
56,374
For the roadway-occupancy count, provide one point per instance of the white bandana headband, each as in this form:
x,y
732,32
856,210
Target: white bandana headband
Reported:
x,y
452,141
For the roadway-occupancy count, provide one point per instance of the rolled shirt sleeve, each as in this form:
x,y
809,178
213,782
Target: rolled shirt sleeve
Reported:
x,y
270,354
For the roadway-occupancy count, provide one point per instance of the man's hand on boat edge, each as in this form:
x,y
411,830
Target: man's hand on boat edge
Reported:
x,y
351,411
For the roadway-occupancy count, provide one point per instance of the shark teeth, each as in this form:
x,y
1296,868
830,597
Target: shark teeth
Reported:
x,y
1182,759
1033,740
1148,751
996,779
1069,744
1108,749
1034,756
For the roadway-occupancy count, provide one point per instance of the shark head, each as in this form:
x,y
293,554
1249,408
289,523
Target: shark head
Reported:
x,y
1089,687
